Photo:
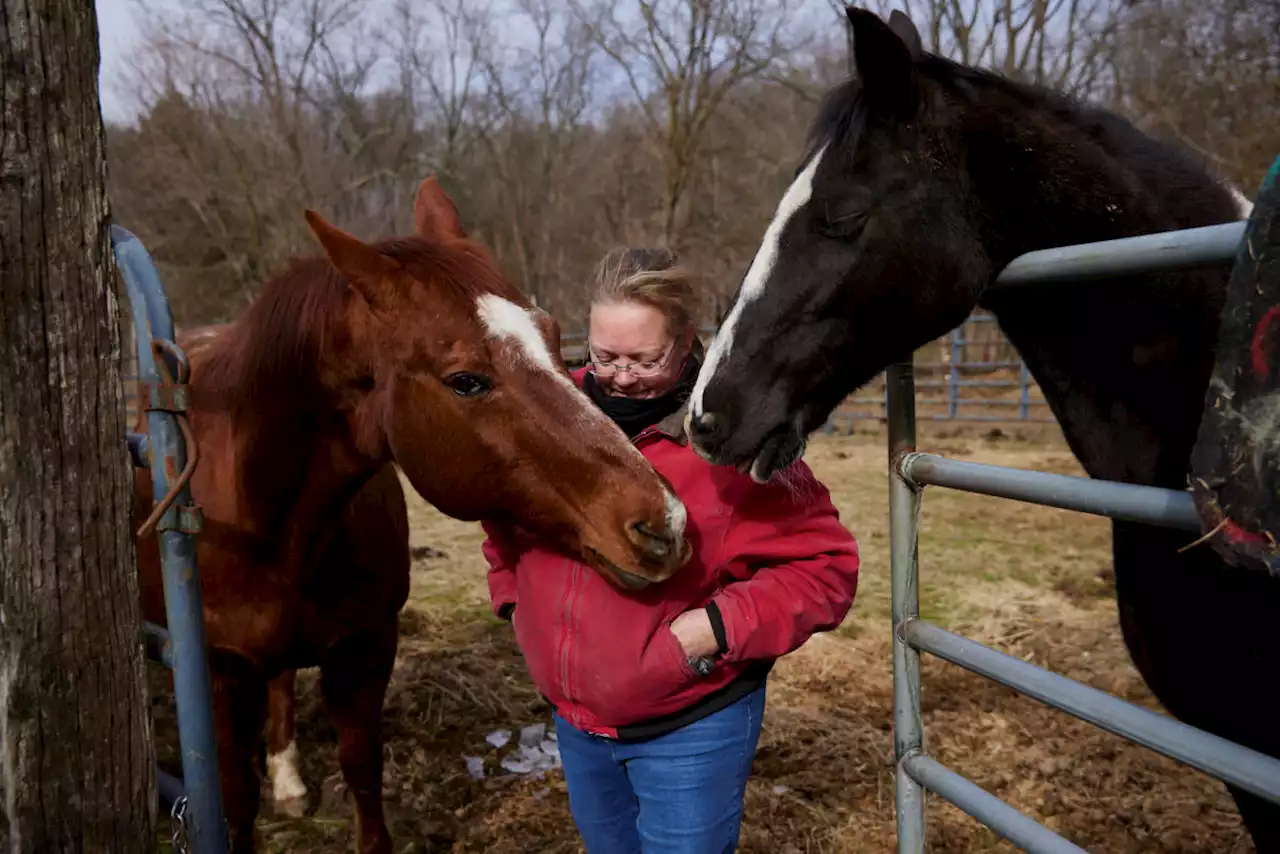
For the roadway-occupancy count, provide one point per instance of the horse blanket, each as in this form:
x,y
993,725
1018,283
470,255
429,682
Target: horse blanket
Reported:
x,y
1235,465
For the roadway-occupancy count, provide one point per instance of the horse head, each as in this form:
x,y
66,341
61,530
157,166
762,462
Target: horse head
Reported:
x,y
871,253
452,374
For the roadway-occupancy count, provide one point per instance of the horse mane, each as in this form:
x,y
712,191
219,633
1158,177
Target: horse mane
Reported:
x,y
842,113
275,344
1169,185
272,353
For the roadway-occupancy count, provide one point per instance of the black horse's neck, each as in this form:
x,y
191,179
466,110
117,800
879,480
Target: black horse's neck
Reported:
x,y
1123,363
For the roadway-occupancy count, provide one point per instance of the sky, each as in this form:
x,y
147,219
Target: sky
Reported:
x,y
118,34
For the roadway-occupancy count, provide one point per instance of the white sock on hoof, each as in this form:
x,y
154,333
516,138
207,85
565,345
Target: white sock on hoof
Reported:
x,y
286,782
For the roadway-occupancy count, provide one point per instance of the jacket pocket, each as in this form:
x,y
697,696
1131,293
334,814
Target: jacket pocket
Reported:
x,y
623,684
673,649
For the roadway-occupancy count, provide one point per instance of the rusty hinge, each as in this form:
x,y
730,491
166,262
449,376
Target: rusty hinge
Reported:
x,y
190,520
166,397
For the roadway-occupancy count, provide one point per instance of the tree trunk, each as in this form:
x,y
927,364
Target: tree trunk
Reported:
x,y
76,754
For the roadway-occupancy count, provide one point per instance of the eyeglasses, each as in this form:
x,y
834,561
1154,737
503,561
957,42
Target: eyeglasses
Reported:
x,y
639,370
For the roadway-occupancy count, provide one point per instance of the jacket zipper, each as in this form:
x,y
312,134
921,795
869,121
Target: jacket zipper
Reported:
x,y
566,646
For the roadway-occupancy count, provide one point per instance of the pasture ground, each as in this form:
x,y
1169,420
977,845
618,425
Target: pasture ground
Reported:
x,y
1031,581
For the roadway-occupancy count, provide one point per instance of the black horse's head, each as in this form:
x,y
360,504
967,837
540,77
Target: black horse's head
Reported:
x,y
871,254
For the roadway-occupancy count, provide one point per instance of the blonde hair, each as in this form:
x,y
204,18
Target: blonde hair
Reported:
x,y
649,276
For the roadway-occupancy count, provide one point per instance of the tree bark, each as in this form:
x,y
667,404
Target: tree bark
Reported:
x,y
76,752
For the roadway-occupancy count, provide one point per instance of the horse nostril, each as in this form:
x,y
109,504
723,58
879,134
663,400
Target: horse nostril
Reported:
x,y
705,425
656,544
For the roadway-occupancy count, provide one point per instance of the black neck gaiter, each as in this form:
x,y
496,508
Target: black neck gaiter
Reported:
x,y
637,415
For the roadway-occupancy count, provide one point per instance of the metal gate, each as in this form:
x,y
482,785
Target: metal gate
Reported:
x,y
194,802
910,471
962,387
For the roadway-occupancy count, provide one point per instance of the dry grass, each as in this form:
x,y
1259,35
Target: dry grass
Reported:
x,y
1032,581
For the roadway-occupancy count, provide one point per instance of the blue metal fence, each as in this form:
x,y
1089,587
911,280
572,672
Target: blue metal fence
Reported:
x,y
911,471
195,801
961,387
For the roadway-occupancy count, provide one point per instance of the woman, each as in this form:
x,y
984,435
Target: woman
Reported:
x,y
659,693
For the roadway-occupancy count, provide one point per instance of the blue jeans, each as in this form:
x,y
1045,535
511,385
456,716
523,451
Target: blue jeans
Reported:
x,y
678,793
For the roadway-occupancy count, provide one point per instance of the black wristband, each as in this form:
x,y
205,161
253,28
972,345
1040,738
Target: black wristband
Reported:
x,y
506,610
717,627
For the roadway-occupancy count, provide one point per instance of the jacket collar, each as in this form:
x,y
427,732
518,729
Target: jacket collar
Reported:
x,y
672,426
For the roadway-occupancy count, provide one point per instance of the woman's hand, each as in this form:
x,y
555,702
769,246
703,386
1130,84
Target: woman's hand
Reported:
x,y
693,630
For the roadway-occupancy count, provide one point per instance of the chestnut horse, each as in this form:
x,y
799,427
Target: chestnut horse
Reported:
x,y
411,352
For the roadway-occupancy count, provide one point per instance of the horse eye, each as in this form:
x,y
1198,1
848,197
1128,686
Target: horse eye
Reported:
x,y
843,226
466,384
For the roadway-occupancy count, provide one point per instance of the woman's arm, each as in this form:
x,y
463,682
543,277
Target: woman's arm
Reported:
x,y
499,551
797,565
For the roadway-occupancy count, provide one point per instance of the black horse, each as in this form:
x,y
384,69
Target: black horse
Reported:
x,y
924,178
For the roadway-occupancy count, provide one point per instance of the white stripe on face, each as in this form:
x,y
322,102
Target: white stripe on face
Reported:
x,y
502,318
677,515
753,285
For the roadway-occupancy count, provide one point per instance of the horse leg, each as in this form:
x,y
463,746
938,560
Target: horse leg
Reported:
x,y
239,709
1199,633
288,792
353,680
1261,818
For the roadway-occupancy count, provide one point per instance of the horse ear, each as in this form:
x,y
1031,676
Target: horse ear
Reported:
x,y
434,213
365,267
885,56
905,30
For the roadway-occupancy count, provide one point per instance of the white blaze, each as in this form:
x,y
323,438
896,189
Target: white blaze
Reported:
x,y
677,515
796,197
502,318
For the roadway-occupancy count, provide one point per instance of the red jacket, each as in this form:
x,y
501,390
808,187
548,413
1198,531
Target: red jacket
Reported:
x,y
774,558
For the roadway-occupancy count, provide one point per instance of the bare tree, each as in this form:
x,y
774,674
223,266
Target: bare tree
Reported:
x,y
541,93
442,55
680,59
76,753
254,103
1055,43
550,150
1206,75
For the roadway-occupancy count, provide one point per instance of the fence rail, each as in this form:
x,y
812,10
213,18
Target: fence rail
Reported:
x,y
195,800
911,471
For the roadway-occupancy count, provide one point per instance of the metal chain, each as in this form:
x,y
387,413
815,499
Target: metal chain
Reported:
x,y
178,821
